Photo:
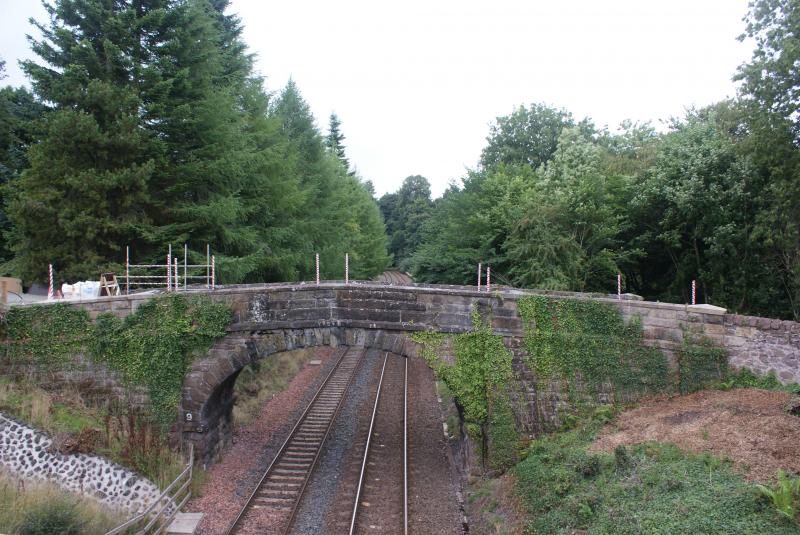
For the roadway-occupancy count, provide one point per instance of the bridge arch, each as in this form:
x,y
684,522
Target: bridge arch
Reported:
x,y
208,391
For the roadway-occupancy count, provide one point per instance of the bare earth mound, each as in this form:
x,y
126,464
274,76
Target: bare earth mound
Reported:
x,y
749,426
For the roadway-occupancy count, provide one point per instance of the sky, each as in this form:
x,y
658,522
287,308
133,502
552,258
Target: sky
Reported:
x,y
417,84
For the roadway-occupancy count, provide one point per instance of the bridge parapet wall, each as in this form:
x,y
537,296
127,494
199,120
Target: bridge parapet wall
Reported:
x,y
761,344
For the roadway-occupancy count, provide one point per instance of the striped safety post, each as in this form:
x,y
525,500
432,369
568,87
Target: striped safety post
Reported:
x,y
346,268
50,293
479,276
317,259
619,286
694,292
488,278
169,273
213,272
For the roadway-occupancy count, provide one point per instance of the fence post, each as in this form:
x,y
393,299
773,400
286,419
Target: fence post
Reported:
x,y
480,267
213,274
346,268
619,286
50,293
317,258
127,269
185,255
694,292
488,278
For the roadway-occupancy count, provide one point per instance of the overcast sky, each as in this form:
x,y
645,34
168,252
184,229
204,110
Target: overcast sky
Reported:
x,y
417,83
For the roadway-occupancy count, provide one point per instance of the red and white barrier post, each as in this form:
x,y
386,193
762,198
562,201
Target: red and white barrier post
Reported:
x,y
317,259
488,278
694,292
346,268
619,286
479,276
213,273
169,273
50,293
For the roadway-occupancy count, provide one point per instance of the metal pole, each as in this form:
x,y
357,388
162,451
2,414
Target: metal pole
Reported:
x,y
346,268
488,278
317,256
619,286
185,263
127,270
50,293
169,269
177,280
208,266
479,276
694,292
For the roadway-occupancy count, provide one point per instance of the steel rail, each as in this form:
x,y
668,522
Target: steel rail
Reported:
x,y
235,525
405,448
293,514
366,448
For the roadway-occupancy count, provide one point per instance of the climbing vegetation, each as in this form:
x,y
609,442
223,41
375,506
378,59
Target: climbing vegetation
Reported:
x,y
479,379
701,363
151,348
589,345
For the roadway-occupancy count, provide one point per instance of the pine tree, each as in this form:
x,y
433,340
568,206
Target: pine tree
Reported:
x,y
335,140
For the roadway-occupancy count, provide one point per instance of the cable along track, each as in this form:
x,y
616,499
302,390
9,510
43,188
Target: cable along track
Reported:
x,y
285,480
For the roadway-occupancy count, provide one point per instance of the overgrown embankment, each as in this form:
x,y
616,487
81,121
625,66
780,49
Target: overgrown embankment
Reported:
x,y
646,488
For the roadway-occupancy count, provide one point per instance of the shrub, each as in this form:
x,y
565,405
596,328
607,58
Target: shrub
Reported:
x,y
52,516
785,497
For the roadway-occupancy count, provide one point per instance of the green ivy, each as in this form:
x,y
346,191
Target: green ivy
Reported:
x,y
478,380
47,335
701,363
152,347
588,342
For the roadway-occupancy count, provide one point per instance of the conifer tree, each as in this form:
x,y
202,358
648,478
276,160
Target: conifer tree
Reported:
x,y
335,140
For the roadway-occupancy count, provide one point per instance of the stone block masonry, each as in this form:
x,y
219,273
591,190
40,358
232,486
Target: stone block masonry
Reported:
x,y
271,318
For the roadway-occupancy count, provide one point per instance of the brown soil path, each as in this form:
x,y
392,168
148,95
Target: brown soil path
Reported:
x,y
747,425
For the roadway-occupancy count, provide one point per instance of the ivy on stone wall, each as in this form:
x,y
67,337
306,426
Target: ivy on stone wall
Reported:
x,y
588,343
701,363
152,347
479,379
48,336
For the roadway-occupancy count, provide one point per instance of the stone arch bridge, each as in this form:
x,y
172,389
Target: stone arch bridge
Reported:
x,y
272,318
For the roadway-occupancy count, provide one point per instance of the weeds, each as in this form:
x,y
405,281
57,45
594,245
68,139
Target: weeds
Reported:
x,y
648,488
35,509
785,497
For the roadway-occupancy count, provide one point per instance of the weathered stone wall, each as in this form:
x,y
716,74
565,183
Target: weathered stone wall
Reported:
x,y
271,318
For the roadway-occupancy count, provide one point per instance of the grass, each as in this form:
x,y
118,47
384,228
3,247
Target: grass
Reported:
x,y
260,381
650,488
122,434
23,509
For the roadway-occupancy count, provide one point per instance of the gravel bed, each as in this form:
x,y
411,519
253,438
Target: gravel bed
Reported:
x,y
433,507
381,500
321,495
230,482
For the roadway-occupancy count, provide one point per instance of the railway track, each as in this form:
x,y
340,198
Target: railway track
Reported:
x,y
283,483
379,506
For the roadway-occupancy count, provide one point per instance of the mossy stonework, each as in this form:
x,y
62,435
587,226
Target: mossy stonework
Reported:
x,y
558,349
150,350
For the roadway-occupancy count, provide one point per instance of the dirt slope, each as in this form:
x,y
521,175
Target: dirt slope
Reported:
x,y
749,426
